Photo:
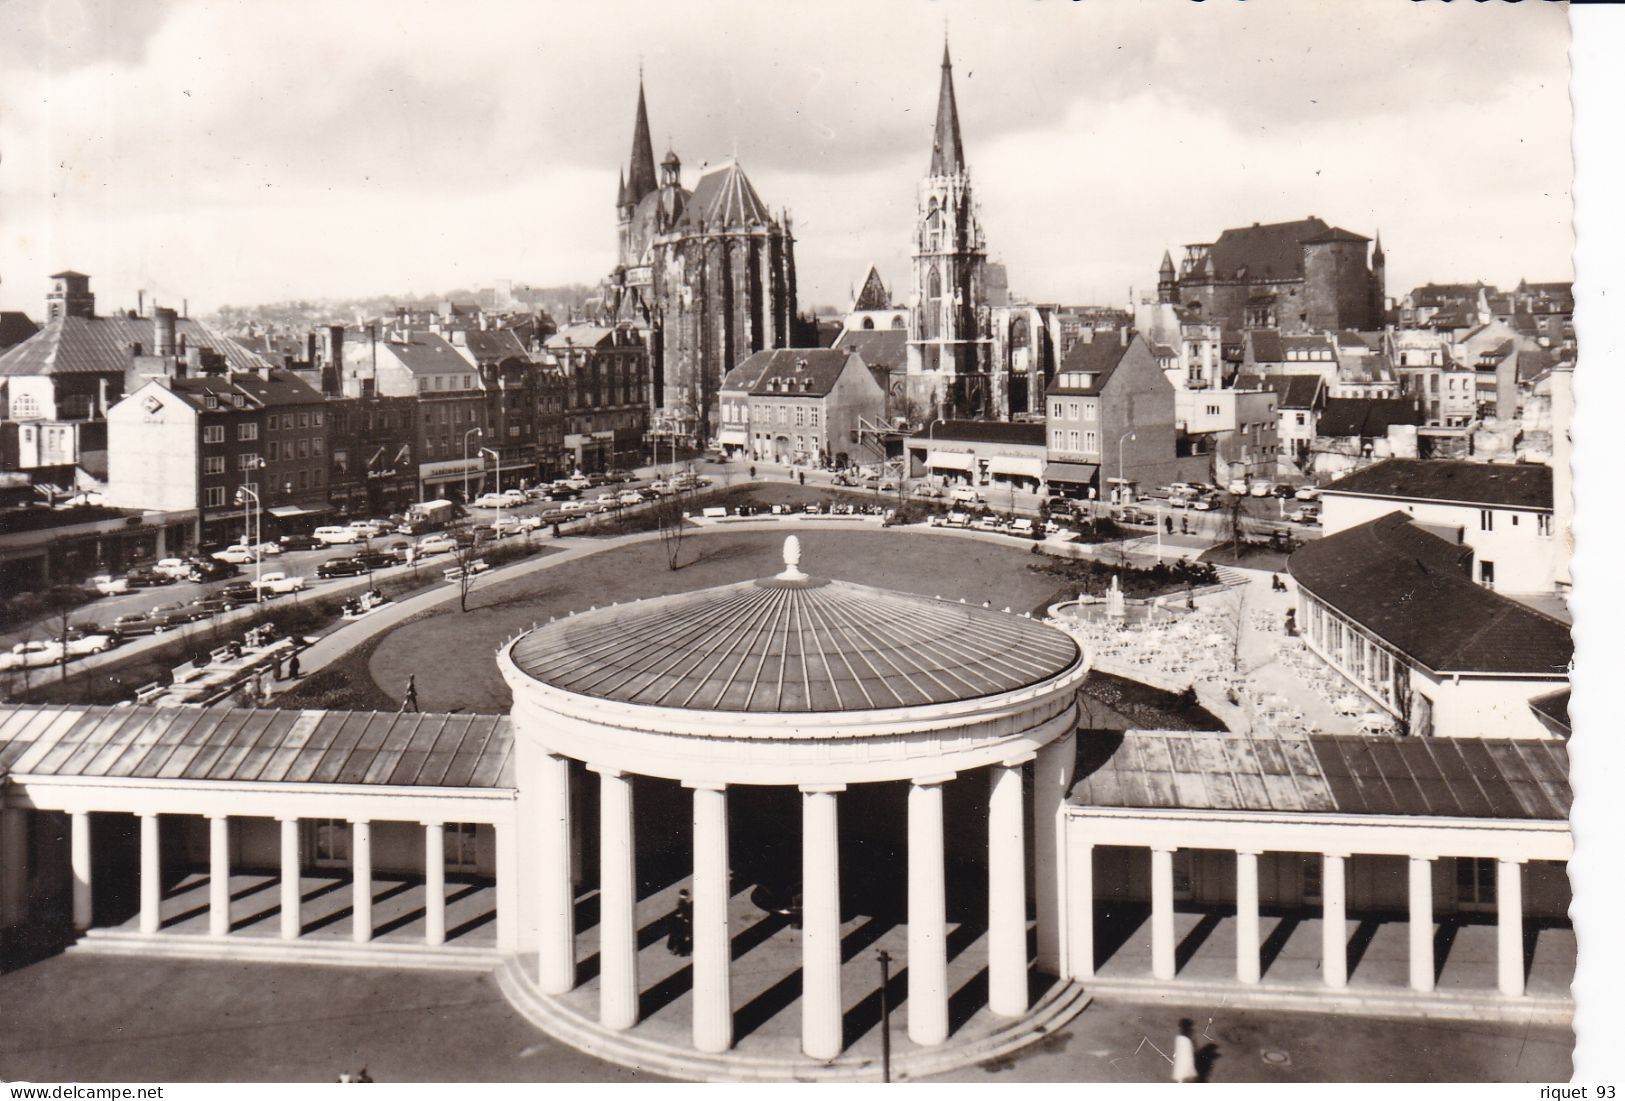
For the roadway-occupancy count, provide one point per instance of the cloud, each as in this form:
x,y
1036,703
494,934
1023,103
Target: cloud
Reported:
x,y
237,150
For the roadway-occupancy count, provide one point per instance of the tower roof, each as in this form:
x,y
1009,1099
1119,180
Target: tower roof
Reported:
x,y
620,195
947,151
641,176
873,295
1167,269
724,199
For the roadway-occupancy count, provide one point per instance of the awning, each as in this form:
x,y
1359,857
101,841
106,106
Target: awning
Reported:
x,y
283,512
737,437
949,460
1071,473
1020,468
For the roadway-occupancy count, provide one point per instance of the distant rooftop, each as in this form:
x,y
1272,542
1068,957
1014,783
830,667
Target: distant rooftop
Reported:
x,y
1514,485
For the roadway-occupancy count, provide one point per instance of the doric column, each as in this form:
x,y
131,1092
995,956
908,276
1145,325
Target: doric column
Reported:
x,y
1247,962
1334,921
1080,910
361,880
1052,779
556,925
1162,913
13,865
1509,926
507,886
434,883
1421,898
1006,892
219,875
79,847
618,894
152,883
713,994
820,923
292,895
927,914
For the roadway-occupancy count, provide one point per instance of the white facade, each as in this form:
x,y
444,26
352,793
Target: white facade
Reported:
x,y
1517,544
152,451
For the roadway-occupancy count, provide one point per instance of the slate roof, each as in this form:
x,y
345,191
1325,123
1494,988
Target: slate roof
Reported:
x,y
1522,779
102,345
798,372
15,327
1413,590
258,746
281,388
723,198
1365,417
794,646
878,347
1336,233
1552,710
427,354
1514,485
494,345
1291,391
744,376
1031,435
1098,357
873,296
1267,252
579,336
947,149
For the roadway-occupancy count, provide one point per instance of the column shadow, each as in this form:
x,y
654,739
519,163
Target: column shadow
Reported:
x,y
465,927
1444,938
861,1018
1364,933
666,991
1271,949
1193,940
1114,925
587,911
967,1001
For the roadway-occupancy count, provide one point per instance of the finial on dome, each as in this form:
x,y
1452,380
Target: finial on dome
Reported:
x,y
792,561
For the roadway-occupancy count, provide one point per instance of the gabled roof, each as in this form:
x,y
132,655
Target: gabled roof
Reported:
x,y
1291,391
1336,233
580,336
798,372
281,388
15,327
878,347
1098,358
102,345
1412,589
1366,418
426,354
724,199
494,346
1510,485
873,295
745,375
1524,779
1268,252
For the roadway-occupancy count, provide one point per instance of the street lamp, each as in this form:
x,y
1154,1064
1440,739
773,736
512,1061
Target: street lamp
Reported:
x,y
497,455
1122,473
243,494
470,432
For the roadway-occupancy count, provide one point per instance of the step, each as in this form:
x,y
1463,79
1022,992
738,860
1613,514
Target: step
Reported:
x,y
1059,1005
335,953
1370,1002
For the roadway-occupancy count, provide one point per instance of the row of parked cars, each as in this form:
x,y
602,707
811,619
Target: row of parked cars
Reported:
x,y
1019,526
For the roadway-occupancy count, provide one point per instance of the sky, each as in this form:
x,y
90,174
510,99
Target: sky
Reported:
x,y
245,152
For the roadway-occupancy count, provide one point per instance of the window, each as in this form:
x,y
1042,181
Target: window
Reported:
x,y
341,461
462,851
248,461
304,420
304,479
1072,410
1313,866
214,497
1057,440
1486,519
1089,410
328,841
214,464
316,446
316,419
248,431
812,418
1055,410
304,449
1543,524
1072,440
1475,883
214,433
1486,574
1091,441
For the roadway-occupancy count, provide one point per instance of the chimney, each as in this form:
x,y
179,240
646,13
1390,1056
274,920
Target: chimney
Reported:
x,y
184,311
1122,335
140,302
163,331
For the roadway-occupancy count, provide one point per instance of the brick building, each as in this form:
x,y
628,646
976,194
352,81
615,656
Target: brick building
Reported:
x,y
1110,418
604,379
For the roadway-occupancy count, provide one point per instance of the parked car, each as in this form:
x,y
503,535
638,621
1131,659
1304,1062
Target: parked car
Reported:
x,y
930,492
144,577
1205,504
578,481
1237,486
620,474
661,486
436,544
211,605
596,480
1283,491
341,567
135,623
491,500
1305,514
1133,514
1024,528
238,592
238,554
108,585
506,525
377,560
301,543
1263,489
562,493
514,496
279,583
370,529
333,536
207,569
965,495
34,654
175,568
172,616
843,479
578,507
990,522
630,497
1308,493
268,549
88,638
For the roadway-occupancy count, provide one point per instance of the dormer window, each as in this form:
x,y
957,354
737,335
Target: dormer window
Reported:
x,y
210,401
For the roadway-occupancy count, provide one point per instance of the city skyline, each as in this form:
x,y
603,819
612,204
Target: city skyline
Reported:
x,y
191,153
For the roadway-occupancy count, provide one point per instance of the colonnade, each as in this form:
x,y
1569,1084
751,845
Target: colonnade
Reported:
x,y
149,919
821,1000
1334,918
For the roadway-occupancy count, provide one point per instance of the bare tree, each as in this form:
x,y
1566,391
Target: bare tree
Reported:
x,y
465,555
671,523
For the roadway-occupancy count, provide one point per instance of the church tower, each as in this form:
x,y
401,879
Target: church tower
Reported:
x,y
1167,281
948,351
1379,285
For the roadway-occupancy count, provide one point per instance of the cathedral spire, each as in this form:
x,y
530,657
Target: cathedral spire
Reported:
x,y
620,196
641,176
947,152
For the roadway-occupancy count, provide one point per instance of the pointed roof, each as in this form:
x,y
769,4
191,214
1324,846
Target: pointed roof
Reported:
x,y
873,295
620,195
724,199
1376,252
1167,269
947,151
641,176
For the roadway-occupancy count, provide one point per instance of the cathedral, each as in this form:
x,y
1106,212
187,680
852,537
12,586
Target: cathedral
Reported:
x,y
710,274
949,368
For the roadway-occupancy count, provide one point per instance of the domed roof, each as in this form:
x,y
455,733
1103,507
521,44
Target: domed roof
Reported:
x,y
793,643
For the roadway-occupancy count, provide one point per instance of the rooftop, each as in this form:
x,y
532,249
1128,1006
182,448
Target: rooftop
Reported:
x,y
793,644
103,345
1412,589
1030,435
1523,779
1520,485
258,746
796,372
1365,417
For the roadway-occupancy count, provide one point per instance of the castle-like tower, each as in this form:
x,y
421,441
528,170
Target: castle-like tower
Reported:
x,y
710,274
948,350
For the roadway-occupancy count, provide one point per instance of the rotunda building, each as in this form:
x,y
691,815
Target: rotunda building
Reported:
x,y
809,684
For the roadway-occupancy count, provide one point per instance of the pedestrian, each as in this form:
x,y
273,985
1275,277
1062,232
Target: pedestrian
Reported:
x,y
753,470
278,661
1184,525
1184,1053
293,667
1168,524
680,939
803,476
411,700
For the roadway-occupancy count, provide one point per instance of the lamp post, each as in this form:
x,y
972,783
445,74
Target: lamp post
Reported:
x,y
243,494
497,455
1122,473
470,432
930,439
